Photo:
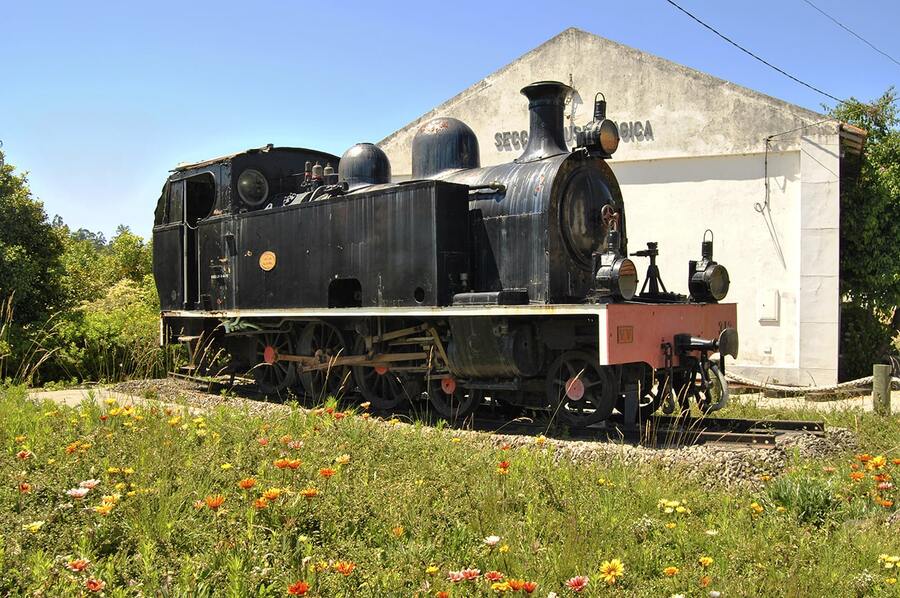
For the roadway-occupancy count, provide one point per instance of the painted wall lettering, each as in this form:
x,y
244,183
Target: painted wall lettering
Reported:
x,y
635,130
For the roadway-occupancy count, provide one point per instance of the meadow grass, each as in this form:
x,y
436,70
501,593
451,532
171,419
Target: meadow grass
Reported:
x,y
385,509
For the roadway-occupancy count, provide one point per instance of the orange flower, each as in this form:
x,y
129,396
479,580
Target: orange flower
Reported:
x,y
262,441
272,493
493,576
857,475
285,439
294,463
94,585
882,477
309,493
344,567
214,501
24,487
887,504
895,461
298,589
247,483
260,503
326,472
77,565
442,594
529,586
705,581
670,571
864,458
504,465
281,463
515,584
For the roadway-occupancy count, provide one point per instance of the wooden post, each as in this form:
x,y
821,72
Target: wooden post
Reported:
x,y
881,389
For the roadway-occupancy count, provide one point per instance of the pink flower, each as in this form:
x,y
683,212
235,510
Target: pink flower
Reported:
x,y
493,576
78,493
885,486
89,484
470,574
577,583
492,540
455,576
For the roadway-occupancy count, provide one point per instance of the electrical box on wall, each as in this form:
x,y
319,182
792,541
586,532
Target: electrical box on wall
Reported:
x,y
767,304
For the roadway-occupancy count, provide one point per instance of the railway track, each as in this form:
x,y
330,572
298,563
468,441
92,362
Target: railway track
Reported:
x,y
661,431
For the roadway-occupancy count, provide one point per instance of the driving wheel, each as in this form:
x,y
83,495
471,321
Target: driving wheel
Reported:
x,y
272,375
381,385
325,343
581,392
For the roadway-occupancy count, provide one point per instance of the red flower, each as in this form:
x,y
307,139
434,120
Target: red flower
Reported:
x,y
24,487
515,584
339,415
214,502
442,594
470,574
104,417
262,441
577,583
504,465
493,576
77,565
326,472
344,567
23,454
94,585
247,483
294,463
529,586
298,589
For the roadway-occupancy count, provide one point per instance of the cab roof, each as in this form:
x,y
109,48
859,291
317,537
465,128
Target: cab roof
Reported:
x,y
182,166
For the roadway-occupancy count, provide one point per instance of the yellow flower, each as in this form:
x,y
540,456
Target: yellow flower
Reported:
x,y
110,402
500,586
342,460
890,580
455,439
110,499
272,493
51,461
780,509
670,571
431,570
33,527
394,421
21,438
174,421
320,566
201,432
877,462
612,570
120,486
671,525
113,470
226,466
398,530
504,549
705,561
540,440
128,470
103,509
756,508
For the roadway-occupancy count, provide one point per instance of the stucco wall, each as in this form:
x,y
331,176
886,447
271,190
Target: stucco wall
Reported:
x,y
696,159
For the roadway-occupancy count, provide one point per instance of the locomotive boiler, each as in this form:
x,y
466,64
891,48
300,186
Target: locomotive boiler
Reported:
x,y
507,285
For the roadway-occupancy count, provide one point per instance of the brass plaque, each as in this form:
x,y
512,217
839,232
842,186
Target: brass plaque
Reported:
x,y
625,334
267,260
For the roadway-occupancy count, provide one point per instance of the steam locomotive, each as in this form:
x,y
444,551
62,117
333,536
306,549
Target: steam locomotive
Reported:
x,y
508,284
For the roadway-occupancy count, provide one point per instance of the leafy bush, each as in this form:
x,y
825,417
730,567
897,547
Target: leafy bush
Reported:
x,y
812,500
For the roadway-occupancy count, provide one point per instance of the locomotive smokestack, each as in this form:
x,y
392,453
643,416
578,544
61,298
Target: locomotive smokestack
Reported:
x,y
546,103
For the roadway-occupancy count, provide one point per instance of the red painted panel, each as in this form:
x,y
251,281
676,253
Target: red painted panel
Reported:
x,y
635,332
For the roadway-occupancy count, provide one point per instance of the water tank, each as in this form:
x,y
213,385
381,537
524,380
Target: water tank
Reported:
x,y
443,144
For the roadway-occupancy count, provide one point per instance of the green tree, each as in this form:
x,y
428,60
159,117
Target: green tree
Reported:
x,y
870,235
30,251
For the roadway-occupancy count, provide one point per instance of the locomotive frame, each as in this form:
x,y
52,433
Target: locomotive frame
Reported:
x,y
509,283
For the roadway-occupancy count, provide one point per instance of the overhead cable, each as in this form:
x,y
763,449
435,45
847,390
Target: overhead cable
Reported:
x,y
854,34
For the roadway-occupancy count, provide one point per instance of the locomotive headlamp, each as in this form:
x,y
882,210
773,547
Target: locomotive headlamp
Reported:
x,y
615,276
253,187
601,135
708,281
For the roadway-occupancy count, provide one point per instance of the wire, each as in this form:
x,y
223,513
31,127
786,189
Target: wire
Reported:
x,y
765,62
854,34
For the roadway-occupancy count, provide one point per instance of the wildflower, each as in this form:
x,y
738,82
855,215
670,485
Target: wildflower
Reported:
x,y
281,463
246,483
199,504
895,461
890,580
174,421
503,465
856,476
94,585
882,477
113,470
455,440
214,501
500,587
342,460
431,569
104,509
577,583
470,574
262,441
294,463
670,571
504,548
272,493
705,561
442,593
877,462
365,405
505,446
529,586
493,576
492,540
671,525
339,415
344,567
398,530
780,509
309,493
326,472
298,589
78,493
885,486
705,581
24,454
864,458
89,484
295,444
260,503
225,466
515,585
33,527
610,571
24,487
110,499
756,508
887,504
77,565
455,576
540,440
829,469
128,471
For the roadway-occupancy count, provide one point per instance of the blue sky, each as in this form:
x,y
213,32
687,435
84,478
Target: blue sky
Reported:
x,y
98,101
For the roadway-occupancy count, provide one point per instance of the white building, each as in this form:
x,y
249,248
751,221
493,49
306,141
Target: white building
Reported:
x,y
694,155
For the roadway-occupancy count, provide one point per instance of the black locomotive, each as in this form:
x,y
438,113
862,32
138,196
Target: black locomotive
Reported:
x,y
510,284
